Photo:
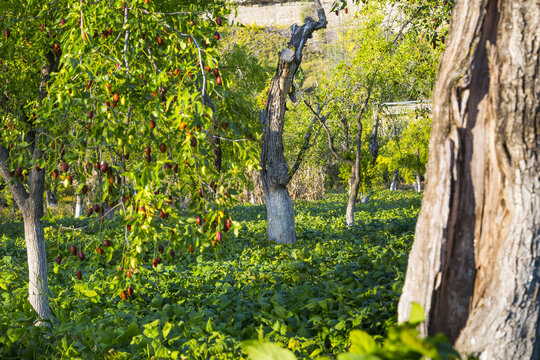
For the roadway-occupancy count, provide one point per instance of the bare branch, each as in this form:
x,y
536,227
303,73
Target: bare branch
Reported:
x,y
126,40
148,48
93,222
306,145
300,34
199,53
322,120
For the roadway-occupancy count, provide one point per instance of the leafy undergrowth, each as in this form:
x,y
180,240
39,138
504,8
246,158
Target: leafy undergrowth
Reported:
x,y
306,297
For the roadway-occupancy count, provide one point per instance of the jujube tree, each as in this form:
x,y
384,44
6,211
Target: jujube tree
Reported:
x,y
122,91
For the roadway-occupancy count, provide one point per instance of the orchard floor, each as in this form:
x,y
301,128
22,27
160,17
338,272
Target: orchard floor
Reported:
x,y
306,296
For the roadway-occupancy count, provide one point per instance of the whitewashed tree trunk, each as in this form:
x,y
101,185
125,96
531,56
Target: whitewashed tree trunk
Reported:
x,y
393,185
354,185
281,228
38,286
31,206
418,182
275,174
79,204
475,259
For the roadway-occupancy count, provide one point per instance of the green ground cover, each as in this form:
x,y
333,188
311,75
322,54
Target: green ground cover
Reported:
x,y
306,297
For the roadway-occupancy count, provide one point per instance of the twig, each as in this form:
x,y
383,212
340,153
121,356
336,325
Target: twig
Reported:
x,y
322,120
93,222
126,41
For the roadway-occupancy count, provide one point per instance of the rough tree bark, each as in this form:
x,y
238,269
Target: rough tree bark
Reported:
x,y
275,173
474,263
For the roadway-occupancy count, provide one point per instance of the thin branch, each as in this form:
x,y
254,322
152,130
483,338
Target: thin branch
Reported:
x,y
93,222
199,53
230,140
147,48
126,40
305,146
322,120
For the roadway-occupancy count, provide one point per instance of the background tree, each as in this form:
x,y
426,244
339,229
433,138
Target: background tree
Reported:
x,y
275,173
474,262
405,149
388,64
428,18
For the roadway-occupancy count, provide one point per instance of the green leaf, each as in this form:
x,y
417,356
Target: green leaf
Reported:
x,y
132,330
151,329
266,351
209,326
417,314
15,334
167,329
89,292
357,357
362,343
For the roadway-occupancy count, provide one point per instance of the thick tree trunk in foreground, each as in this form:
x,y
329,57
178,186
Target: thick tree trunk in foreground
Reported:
x,y
275,173
474,262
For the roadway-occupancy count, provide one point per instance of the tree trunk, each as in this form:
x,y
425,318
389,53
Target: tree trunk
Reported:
x,y
280,215
79,207
418,182
393,185
52,199
274,169
354,180
365,199
354,186
38,286
31,206
474,262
